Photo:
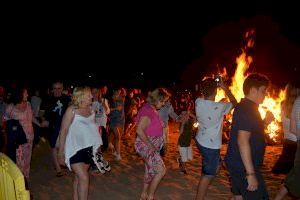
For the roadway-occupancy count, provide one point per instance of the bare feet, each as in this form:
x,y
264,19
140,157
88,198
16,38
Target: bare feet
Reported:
x,y
144,196
150,198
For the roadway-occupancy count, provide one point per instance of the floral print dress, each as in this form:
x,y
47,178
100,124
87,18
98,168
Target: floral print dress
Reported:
x,y
23,153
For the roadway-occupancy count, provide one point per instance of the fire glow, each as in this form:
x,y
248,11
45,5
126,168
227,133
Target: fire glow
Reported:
x,y
270,103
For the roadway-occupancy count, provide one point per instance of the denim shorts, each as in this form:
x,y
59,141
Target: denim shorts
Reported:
x,y
210,160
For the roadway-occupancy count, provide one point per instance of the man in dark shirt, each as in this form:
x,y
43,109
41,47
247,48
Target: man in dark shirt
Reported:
x,y
246,146
55,107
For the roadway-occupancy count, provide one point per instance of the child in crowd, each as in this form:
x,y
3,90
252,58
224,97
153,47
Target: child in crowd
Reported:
x,y
184,141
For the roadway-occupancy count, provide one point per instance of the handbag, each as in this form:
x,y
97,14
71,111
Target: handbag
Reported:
x,y
16,131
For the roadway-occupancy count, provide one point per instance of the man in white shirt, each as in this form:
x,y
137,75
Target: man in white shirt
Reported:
x,y
210,115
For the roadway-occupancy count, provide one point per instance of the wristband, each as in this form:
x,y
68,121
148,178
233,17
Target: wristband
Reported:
x,y
250,174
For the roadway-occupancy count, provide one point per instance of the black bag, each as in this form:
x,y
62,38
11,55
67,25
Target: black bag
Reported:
x,y
15,130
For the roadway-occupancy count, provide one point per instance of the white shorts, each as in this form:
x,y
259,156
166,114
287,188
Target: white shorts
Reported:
x,y
186,153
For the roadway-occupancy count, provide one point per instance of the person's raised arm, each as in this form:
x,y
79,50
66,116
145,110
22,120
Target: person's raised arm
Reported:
x,y
173,114
228,93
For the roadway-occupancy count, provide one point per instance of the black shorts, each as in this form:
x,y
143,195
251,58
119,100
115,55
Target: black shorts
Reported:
x,y
84,155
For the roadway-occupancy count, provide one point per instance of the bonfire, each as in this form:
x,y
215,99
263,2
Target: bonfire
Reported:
x,y
271,103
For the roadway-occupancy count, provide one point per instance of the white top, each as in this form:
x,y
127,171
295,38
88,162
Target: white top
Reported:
x,y
82,133
35,104
286,127
101,115
296,116
210,116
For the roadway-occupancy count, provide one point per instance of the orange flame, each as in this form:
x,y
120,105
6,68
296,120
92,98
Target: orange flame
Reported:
x,y
243,63
270,104
273,105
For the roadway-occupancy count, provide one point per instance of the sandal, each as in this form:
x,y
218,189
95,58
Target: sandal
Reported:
x,y
61,173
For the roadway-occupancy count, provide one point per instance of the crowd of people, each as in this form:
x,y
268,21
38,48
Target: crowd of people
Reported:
x,y
83,125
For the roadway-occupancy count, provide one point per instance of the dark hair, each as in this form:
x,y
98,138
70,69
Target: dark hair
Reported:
x,y
17,95
208,87
254,81
157,95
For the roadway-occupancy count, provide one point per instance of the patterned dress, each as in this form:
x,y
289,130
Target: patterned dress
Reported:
x,y
152,159
154,133
24,151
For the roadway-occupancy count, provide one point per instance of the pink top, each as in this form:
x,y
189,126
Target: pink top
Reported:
x,y
24,117
155,128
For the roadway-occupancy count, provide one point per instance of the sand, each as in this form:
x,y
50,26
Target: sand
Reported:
x,y
125,180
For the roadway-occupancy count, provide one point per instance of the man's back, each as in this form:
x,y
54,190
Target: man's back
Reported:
x,y
210,116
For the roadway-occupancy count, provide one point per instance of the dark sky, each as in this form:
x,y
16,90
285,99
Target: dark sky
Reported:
x,y
117,46
275,52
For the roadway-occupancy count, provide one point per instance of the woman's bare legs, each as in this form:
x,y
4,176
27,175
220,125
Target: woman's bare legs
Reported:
x,y
117,132
155,181
81,181
144,195
75,188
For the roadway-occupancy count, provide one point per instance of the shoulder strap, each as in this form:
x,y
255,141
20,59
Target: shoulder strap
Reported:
x,y
73,112
92,110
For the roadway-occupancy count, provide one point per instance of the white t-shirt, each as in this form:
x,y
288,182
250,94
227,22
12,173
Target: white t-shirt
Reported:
x,y
35,104
210,116
296,116
286,127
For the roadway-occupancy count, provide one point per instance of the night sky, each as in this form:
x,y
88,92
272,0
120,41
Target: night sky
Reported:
x,y
132,47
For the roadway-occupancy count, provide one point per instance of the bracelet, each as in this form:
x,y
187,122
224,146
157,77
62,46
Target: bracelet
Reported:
x,y
250,174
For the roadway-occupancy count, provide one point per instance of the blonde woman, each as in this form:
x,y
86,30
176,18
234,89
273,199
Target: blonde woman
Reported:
x,y
149,140
79,140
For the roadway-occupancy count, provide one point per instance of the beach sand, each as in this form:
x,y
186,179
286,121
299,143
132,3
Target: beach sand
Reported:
x,y
125,180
